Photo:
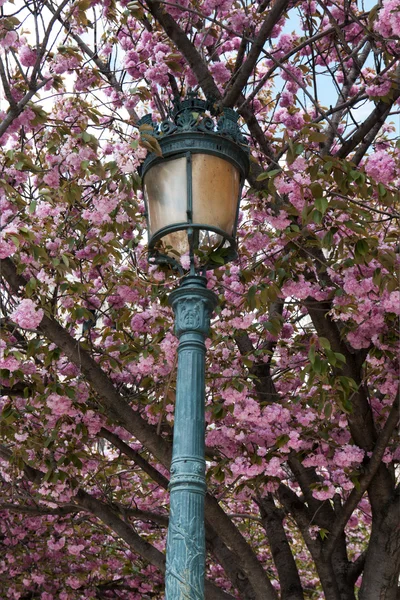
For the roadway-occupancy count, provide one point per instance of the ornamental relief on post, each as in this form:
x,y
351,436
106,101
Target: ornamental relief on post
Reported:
x,y
192,315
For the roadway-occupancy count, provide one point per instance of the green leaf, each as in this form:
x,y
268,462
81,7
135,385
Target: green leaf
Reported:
x,y
251,297
311,354
324,343
327,240
268,174
321,204
316,190
317,216
282,440
316,136
216,258
151,143
331,357
382,191
340,357
362,247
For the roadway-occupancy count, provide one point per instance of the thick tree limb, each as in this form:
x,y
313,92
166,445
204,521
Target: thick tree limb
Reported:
x,y
375,119
382,564
135,456
232,537
228,560
365,480
189,51
273,16
303,518
100,383
199,67
272,518
34,511
264,384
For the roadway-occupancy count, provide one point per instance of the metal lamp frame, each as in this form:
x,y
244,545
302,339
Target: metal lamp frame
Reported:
x,y
191,132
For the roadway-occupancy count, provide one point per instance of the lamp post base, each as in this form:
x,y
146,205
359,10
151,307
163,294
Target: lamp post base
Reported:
x,y
193,305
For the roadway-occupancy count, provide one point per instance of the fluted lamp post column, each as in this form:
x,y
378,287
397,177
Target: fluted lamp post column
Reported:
x,y
192,181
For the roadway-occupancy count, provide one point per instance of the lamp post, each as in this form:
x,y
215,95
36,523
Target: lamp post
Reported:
x,y
192,186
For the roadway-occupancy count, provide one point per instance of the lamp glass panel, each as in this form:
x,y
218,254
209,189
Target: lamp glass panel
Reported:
x,y
216,186
165,188
174,244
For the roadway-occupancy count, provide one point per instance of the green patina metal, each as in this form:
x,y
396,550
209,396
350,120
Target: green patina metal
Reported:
x,y
190,130
193,305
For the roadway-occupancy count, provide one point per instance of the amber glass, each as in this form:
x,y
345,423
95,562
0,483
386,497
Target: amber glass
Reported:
x,y
165,188
215,195
174,244
215,185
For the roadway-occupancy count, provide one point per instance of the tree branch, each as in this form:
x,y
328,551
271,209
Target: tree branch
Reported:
x,y
375,120
99,381
124,530
135,456
343,96
146,434
365,480
189,51
32,511
103,68
273,16
293,505
272,519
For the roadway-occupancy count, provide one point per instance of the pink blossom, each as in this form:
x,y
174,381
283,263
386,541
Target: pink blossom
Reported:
x,y
392,303
65,62
388,22
381,167
56,544
52,178
60,405
274,469
10,38
293,121
379,89
348,456
75,549
27,56
325,492
299,289
10,363
281,221
27,315
221,72
7,248
73,582
93,422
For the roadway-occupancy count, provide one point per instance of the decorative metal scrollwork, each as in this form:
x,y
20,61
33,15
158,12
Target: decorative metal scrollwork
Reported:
x,y
167,127
189,115
186,120
206,124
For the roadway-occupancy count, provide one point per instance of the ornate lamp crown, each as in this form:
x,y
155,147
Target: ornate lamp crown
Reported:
x,y
188,115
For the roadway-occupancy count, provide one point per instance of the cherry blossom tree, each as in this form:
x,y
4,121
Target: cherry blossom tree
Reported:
x,y
302,392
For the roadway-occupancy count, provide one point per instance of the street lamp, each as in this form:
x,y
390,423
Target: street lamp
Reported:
x,y
192,182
